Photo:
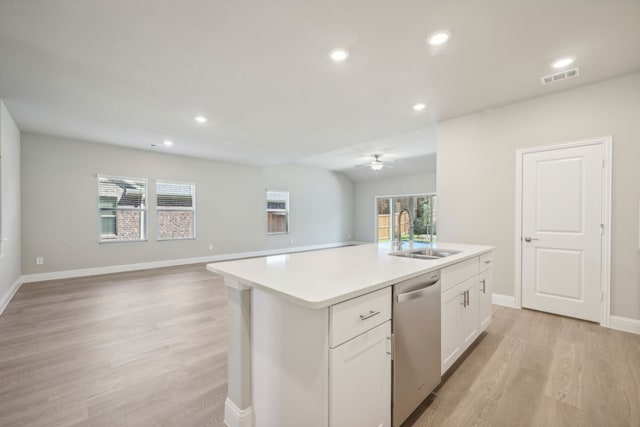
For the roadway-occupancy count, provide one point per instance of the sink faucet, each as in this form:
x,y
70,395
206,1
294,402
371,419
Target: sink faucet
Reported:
x,y
398,243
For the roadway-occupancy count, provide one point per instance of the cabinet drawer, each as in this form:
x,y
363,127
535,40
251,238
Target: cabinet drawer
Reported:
x,y
458,273
486,261
355,316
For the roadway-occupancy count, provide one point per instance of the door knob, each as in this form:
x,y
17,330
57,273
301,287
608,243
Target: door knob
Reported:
x,y
528,239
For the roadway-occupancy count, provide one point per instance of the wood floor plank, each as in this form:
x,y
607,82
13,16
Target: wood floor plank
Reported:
x,y
149,348
542,370
552,412
628,371
129,349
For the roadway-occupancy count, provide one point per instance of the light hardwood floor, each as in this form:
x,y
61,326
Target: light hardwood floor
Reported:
x,y
149,348
131,349
538,369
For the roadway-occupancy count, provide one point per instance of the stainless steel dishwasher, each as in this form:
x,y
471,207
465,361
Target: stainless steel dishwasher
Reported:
x,y
416,343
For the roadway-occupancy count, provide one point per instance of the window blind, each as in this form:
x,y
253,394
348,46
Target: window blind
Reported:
x,y
175,203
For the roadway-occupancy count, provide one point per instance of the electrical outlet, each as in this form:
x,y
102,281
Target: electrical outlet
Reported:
x,y
210,246
39,260
292,241
349,236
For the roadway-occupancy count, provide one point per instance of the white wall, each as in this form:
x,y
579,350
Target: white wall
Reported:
x,y
60,218
10,206
366,192
476,170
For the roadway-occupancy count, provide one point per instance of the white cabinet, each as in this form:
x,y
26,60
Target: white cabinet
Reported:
x,y
470,313
322,367
360,380
465,305
485,284
460,320
360,361
355,316
458,273
451,309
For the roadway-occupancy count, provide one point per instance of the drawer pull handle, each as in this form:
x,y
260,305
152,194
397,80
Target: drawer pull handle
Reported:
x,y
368,315
488,262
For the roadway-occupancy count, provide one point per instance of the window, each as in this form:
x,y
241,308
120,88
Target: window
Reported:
x,y
122,204
175,203
419,225
277,212
108,216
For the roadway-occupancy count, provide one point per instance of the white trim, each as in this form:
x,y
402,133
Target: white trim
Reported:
x,y
518,232
607,145
391,196
504,300
624,324
67,274
4,301
607,180
236,417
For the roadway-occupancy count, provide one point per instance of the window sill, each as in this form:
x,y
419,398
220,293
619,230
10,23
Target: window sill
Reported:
x,y
176,238
108,242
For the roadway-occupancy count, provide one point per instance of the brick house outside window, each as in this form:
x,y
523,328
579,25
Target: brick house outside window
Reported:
x,y
123,209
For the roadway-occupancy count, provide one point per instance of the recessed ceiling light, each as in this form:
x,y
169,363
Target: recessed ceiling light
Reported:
x,y
562,62
339,55
167,143
439,38
420,106
200,119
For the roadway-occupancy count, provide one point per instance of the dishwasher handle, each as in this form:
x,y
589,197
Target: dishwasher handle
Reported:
x,y
416,293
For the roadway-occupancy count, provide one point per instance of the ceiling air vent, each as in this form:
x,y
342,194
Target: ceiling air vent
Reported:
x,y
552,78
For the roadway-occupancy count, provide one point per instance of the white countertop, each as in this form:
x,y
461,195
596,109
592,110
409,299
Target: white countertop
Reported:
x,y
318,279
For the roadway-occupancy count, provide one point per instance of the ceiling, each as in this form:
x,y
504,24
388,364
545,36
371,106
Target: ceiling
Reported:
x,y
135,73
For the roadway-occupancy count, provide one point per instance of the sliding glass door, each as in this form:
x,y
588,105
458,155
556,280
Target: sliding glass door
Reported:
x,y
392,218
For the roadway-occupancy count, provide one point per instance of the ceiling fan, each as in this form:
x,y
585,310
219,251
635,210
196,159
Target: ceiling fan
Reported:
x,y
375,164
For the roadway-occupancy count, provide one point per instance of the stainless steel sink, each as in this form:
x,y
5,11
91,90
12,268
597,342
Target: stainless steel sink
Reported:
x,y
425,253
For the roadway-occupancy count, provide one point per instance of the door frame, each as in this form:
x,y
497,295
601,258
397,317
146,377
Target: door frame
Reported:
x,y
606,142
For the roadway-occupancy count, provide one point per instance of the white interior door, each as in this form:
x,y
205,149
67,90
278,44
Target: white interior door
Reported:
x,y
562,197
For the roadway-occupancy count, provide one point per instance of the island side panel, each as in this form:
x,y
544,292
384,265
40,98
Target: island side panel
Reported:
x,y
290,369
238,410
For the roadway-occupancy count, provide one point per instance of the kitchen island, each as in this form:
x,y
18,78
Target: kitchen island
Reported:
x,y
291,318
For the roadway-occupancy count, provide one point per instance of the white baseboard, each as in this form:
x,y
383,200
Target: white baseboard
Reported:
x,y
67,274
624,324
236,417
505,300
4,301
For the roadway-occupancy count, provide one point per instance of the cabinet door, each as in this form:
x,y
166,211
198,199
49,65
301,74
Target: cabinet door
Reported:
x,y
471,313
360,380
486,287
451,338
